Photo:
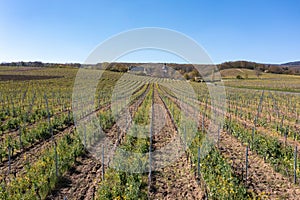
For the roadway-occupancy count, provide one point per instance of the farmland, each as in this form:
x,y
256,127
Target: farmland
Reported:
x,y
240,145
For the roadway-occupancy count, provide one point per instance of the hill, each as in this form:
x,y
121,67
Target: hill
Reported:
x,y
268,68
292,63
243,73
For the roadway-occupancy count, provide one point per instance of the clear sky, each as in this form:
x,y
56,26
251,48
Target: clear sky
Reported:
x,y
265,31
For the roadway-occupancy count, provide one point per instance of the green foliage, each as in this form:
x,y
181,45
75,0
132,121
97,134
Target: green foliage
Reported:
x,y
216,172
275,152
106,119
40,176
121,185
125,185
219,178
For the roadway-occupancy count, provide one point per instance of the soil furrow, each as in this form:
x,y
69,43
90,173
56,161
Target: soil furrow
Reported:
x,y
30,154
175,180
247,124
262,178
81,181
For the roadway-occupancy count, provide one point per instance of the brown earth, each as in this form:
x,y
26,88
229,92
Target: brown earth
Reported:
x,y
175,180
81,182
7,77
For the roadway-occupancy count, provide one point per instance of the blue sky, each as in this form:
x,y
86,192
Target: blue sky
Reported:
x,y
68,30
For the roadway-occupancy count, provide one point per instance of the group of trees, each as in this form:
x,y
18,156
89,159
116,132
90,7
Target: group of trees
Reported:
x,y
277,69
39,64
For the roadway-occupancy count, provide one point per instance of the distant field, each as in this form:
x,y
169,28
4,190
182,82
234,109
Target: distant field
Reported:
x,y
232,73
24,77
267,81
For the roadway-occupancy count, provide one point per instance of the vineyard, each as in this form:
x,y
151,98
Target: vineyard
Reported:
x,y
144,137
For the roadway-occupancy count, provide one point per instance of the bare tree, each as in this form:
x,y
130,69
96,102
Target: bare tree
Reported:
x,y
258,73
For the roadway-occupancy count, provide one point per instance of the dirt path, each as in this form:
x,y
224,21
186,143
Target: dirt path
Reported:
x,y
246,123
175,180
39,143
262,179
33,151
261,176
15,133
81,181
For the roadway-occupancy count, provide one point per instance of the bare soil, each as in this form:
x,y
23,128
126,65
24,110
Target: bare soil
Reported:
x,y
7,77
175,180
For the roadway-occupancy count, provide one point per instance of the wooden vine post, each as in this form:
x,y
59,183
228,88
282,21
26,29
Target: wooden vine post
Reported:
x,y
219,130
246,161
198,164
257,116
9,158
295,165
103,172
150,146
20,137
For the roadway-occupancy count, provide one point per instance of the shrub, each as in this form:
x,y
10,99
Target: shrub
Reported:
x,y
239,77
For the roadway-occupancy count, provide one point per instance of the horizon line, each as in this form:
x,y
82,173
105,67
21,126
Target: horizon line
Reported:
x,y
144,62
